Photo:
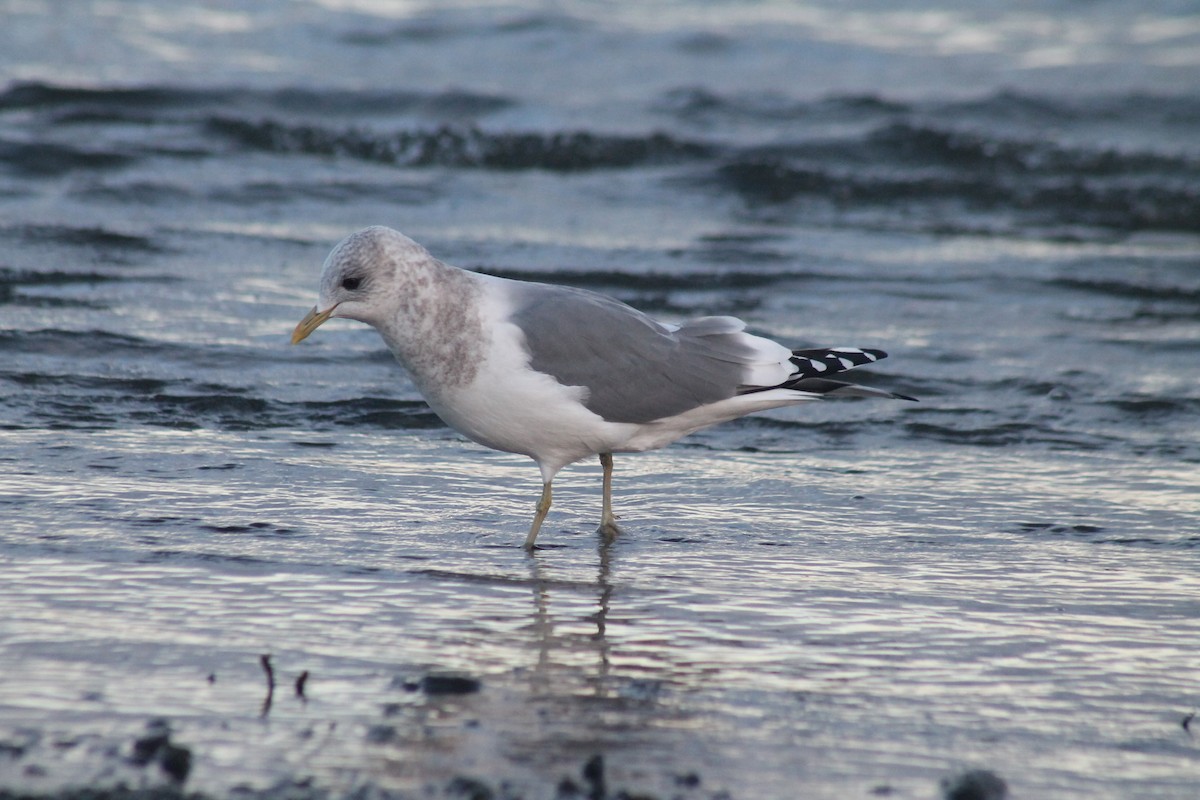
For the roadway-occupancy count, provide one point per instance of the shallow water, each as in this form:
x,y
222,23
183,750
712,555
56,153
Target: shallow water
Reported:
x,y
859,598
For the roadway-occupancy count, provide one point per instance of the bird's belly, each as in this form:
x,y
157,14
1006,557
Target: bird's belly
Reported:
x,y
529,413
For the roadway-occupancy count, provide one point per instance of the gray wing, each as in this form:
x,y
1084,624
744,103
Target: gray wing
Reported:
x,y
635,370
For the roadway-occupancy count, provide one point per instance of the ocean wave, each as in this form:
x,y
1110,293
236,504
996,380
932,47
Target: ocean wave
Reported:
x,y
238,410
96,402
702,104
1140,107
49,159
10,279
1151,287
1007,433
429,27
697,103
1143,407
70,104
13,282
1097,534
69,343
643,282
284,191
469,147
983,163
92,237
969,150
1041,183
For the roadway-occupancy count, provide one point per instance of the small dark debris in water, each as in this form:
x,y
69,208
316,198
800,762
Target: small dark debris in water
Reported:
x,y
300,681
568,788
1057,528
314,444
12,749
176,761
859,497
225,528
156,747
158,733
439,684
265,661
381,734
469,789
1186,722
392,709
882,790
148,522
212,678
976,784
593,775
449,684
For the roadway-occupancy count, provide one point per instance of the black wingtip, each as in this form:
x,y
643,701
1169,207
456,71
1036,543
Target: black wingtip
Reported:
x,y
905,397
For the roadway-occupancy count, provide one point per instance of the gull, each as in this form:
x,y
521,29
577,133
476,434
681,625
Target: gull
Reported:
x,y
558,373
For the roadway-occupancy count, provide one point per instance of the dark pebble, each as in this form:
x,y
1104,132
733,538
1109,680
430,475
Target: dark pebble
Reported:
x,y
156,747
689,781
176,761
568,788
449,684
145,748
14,750
593,774
469,789
976,784
380,734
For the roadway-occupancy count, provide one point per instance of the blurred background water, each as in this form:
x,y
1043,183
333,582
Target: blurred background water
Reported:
x,y
856,598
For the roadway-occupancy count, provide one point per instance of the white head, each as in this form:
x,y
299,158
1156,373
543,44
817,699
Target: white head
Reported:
x,y
426,311
359,279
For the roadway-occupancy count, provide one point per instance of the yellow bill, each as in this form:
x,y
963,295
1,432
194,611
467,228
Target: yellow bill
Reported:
x,y
312,320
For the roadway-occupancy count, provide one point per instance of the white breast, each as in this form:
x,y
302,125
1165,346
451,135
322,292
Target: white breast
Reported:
x,y
510,407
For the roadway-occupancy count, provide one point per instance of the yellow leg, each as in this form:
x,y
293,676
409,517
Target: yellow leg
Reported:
x,y
543,508
608,520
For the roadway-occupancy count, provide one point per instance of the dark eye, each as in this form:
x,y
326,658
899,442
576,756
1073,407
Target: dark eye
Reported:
x,y
350,284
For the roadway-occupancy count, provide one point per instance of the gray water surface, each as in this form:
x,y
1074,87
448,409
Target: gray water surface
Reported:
x,y
845,599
